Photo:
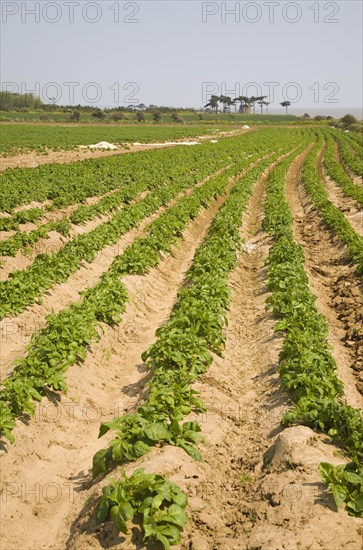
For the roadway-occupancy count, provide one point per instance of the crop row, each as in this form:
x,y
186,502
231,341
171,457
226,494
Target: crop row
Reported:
x,y
331,215
183,350
11,223
24,287
38,137
22,240
67,334
307,368
67,184
353,161
337,173
122,193
108,203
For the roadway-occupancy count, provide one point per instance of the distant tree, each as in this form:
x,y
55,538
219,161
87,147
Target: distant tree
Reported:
x,y
266,103
99,113
348,119
227,102
306,115
156,116
285,104
176,118
140,117
213,103
253,100
261,102
10,101
75,116
118,116
200,116
242,99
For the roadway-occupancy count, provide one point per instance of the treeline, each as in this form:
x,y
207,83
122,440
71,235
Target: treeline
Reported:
x,y
10,101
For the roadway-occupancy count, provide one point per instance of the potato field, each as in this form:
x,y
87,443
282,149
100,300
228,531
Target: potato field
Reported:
x,y
182,343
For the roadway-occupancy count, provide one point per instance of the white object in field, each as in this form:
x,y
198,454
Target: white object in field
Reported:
x,y
214,140
245,127
103,145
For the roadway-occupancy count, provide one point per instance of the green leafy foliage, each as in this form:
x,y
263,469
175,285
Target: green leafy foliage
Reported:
x,y
24,287
346,483
336,171
332,216
351,153
159,503
307,368
184,346
65,339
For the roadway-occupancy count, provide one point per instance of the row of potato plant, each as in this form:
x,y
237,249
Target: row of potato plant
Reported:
x,y
65,339
67,184
24,287
332,216
306,366
337,173
351,153
109,203
183,351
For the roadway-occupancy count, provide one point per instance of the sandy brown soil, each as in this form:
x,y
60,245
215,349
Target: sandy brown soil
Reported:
x,y
54,242
350,208
356,179
334,281
16,332
258,487
109,382
33,159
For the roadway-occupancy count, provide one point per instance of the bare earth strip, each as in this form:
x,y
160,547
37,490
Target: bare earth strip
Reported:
x,y
56,215
346,204
57,447
333,280
247,494
55,242
31,160
258,487
356,179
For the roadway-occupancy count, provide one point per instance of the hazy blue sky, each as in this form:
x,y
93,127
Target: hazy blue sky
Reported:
x,y
162,52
